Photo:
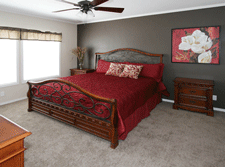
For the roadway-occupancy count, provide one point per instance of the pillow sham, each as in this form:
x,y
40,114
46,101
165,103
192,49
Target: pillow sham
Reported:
x,y
115,69
131,71
103,66
151,70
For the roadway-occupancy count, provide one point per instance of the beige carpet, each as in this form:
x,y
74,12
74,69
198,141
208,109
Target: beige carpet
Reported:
x,y
175,138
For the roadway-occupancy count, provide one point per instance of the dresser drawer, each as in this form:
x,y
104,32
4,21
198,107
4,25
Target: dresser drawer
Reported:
x,y
201,102
193,91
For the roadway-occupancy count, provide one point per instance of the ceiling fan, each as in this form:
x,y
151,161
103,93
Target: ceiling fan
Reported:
x,y
87,6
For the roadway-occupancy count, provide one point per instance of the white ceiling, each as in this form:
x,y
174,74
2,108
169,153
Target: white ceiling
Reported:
x,y
133,8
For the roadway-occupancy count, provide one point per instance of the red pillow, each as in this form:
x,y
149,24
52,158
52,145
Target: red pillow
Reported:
x,y
151,70
103,66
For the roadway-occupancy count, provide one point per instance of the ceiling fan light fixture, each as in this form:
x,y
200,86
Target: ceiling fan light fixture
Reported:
x,y
80,13
90,13
86,7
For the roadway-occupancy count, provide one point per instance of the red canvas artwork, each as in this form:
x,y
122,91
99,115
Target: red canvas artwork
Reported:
x,y
196,45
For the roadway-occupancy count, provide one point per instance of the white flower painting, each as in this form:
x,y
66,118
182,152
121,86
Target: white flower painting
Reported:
x,y
196,45
205,57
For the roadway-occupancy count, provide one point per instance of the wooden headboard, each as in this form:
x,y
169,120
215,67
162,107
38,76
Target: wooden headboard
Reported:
x,y
128,55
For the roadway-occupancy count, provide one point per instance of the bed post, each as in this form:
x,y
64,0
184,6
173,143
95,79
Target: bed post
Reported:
x,y
29,98
114,124
97,57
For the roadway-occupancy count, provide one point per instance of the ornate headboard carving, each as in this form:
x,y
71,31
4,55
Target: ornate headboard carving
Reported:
x,y
129,55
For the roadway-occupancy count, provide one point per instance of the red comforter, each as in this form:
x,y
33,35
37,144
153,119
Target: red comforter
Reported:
x,y
129,93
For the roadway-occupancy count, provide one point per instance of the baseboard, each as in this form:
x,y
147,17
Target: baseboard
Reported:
x,y
218,109
214,108
12,101
165,100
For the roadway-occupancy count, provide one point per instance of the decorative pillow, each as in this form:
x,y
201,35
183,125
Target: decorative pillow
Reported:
x,y
151,70
103,66
131,71
115,69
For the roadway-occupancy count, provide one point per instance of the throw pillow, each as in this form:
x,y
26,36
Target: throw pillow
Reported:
x,y
115,69
131,71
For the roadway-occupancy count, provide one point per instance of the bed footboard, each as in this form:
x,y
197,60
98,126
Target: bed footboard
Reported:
x,y
67,102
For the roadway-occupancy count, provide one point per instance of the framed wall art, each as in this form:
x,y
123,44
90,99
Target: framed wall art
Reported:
x,y
196,45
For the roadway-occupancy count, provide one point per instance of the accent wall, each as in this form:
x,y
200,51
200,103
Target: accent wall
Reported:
x,y
153,34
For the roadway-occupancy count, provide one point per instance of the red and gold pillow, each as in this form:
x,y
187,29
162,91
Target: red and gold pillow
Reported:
x,y
151,70
115,69
131,71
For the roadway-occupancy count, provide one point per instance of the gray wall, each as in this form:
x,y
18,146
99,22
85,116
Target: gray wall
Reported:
x,y
153,34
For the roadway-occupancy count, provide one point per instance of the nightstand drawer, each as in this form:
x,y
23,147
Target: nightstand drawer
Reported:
x,y
201,102
193,91
76,71
80,72
193,95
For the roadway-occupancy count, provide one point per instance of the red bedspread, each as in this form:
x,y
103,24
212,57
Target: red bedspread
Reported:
x,y
129,93
135,97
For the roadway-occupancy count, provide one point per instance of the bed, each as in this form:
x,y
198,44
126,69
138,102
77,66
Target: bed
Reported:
x,y
103,105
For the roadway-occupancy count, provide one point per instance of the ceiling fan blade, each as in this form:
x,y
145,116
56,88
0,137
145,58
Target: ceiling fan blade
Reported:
x,y
65,10
108,9
69,2
98,2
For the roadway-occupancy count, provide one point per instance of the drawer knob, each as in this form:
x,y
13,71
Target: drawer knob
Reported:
x,y
192,101
192,91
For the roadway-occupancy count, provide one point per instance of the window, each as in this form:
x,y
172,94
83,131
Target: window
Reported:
x,y
41,59
8,62
28,55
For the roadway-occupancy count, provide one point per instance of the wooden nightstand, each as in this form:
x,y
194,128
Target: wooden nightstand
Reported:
x,y
194,95
76,71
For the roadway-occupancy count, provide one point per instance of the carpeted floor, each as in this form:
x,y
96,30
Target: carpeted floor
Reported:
x,y
168,138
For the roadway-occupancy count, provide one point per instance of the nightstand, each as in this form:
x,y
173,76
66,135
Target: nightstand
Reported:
x,y
194,95
76,71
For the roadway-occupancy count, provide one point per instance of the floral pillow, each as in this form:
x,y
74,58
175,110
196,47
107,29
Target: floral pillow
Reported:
x,y
131,71
115,69
151,70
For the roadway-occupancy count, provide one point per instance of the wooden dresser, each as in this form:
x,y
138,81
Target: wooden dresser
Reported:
x,y
11,143
76,71
194,95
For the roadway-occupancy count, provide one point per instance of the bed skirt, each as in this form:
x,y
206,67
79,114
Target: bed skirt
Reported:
x,y
142,112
